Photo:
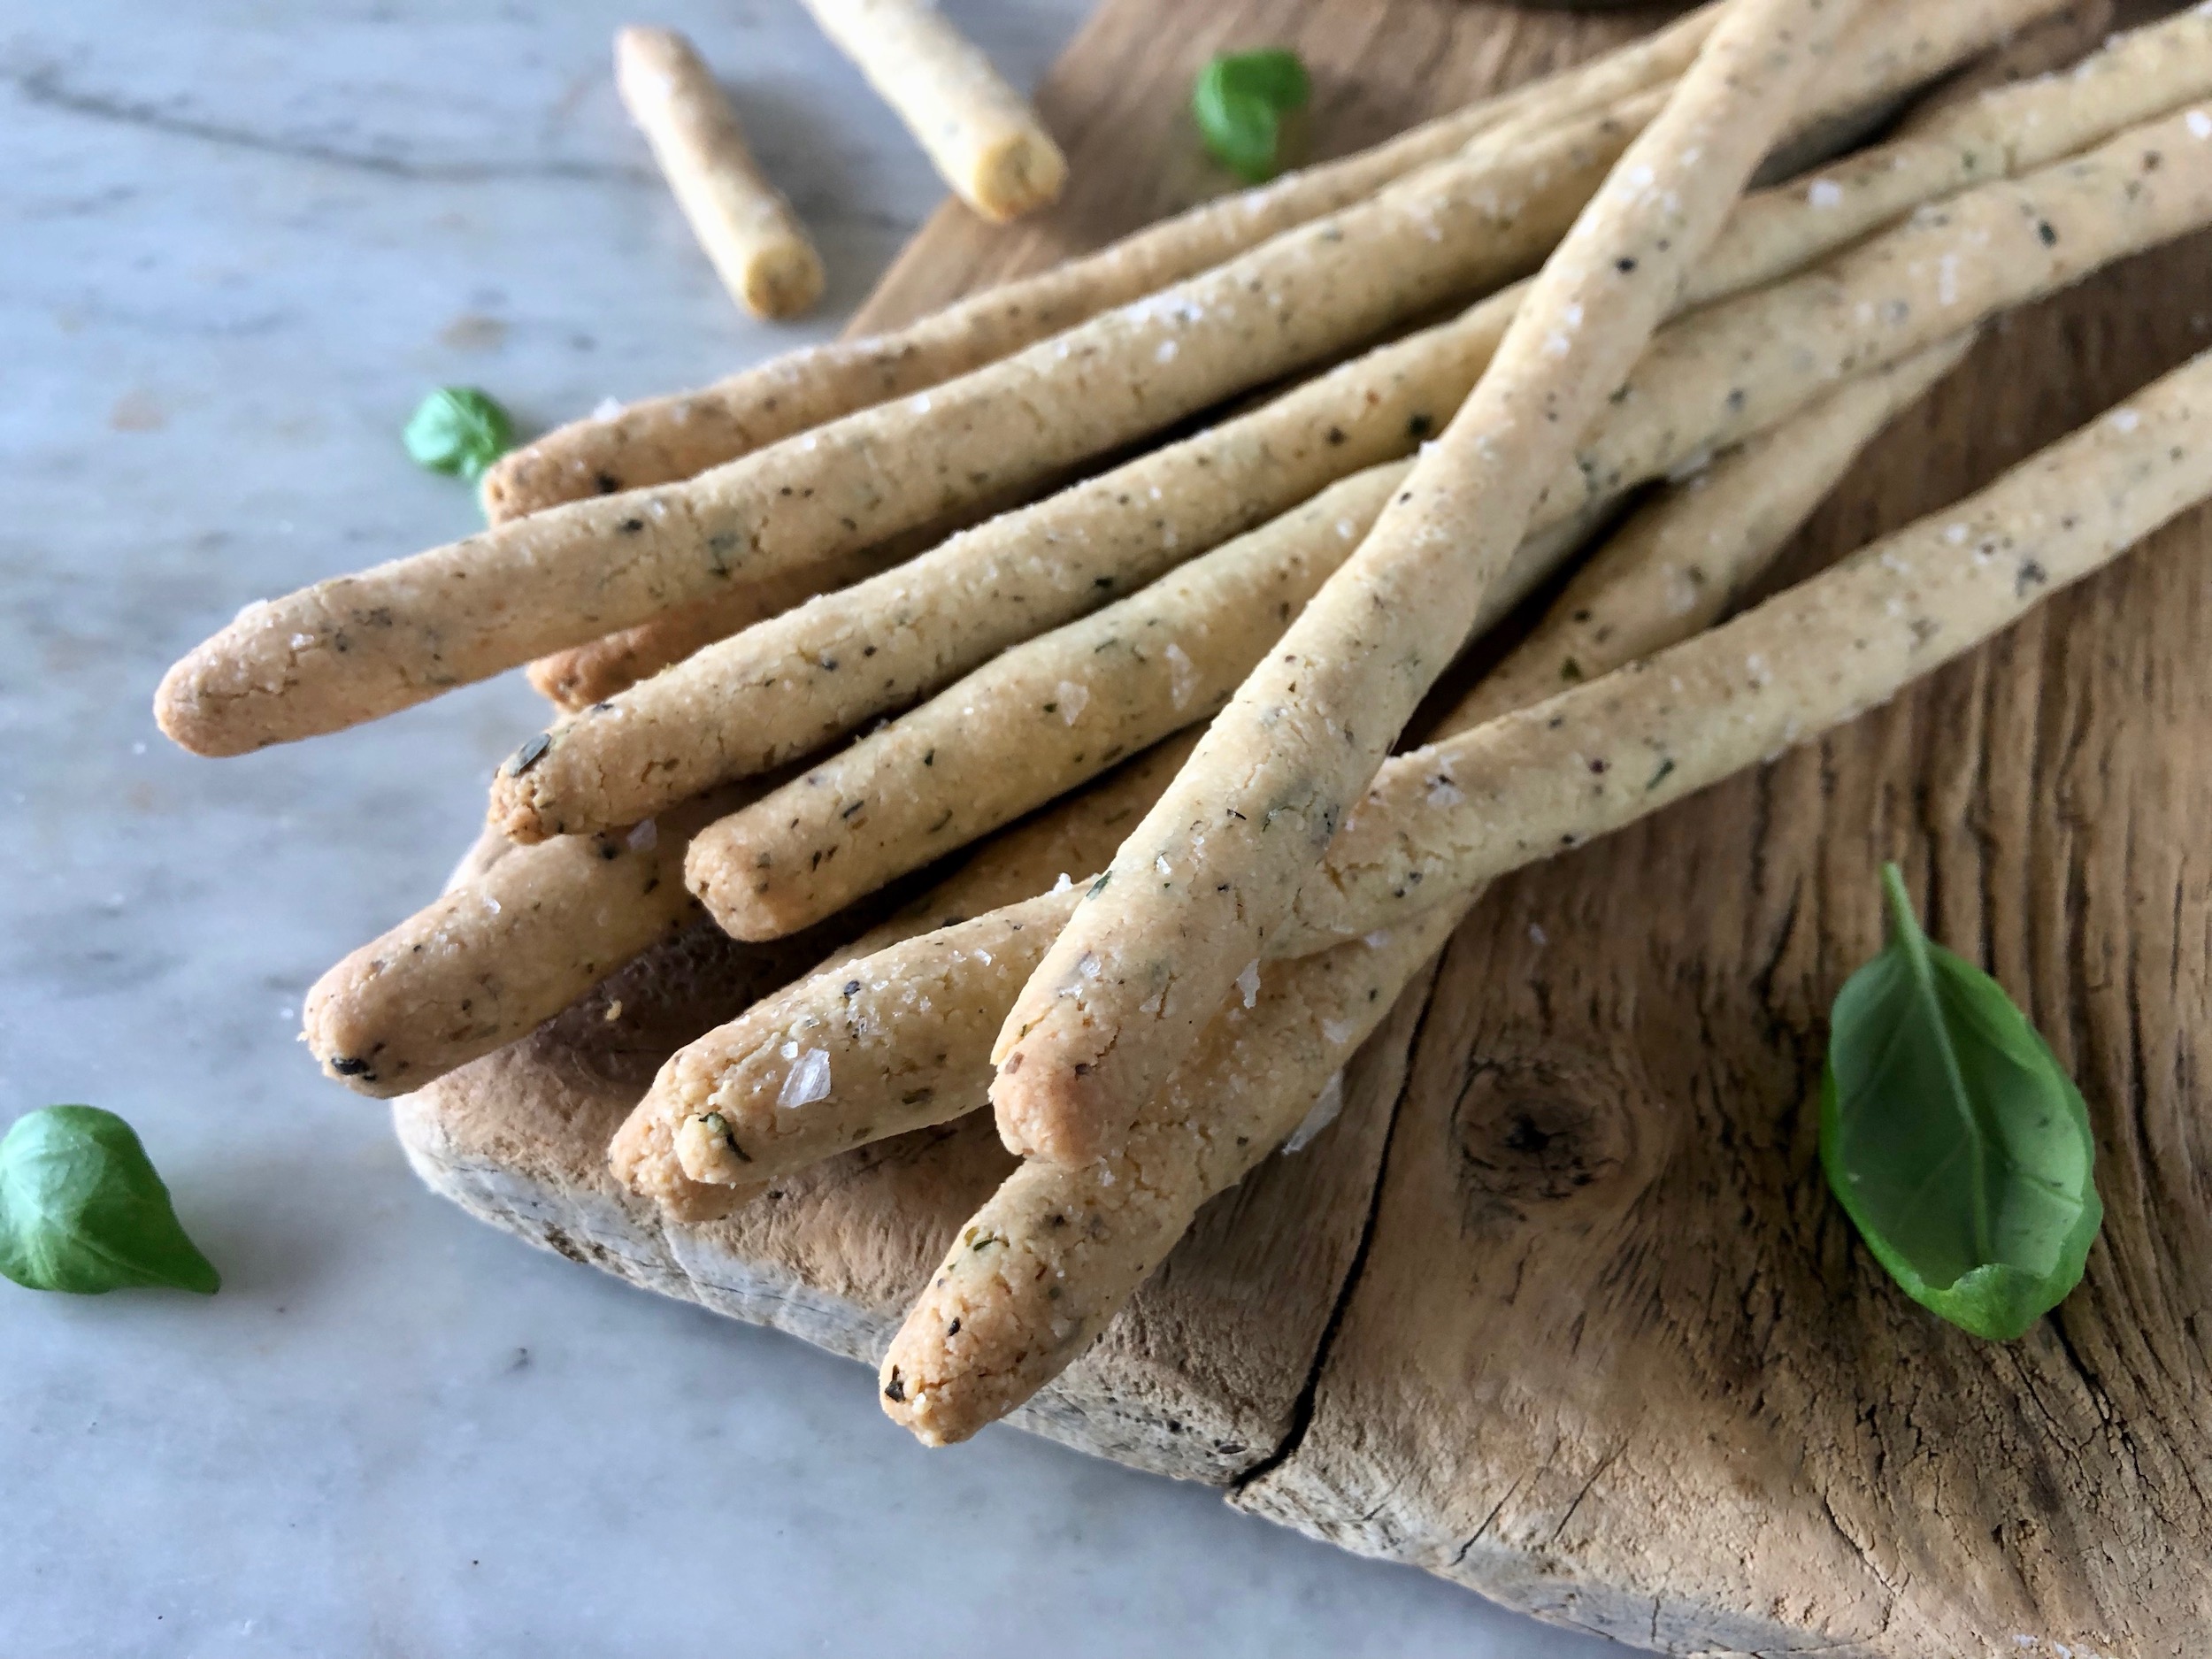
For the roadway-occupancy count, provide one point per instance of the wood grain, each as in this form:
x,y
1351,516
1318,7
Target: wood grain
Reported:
x,y
1560,1307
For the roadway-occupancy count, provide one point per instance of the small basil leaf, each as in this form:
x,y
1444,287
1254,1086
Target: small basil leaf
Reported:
x,y
1952,1138
458,429
1239,100
82,1210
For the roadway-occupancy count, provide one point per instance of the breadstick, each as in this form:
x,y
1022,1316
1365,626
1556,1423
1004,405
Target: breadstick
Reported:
x,y
496,956
1057,1251
352,648
781,691
756,242
981,136
1044,717
1592,759
585,674
895,1067
1216,863
659,440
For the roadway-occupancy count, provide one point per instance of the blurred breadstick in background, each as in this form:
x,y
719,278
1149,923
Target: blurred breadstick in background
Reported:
x,y
981,134
749,232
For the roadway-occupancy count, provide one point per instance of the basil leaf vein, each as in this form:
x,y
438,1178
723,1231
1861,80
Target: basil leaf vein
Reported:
x,y
1952,1137
82,1210
1239,100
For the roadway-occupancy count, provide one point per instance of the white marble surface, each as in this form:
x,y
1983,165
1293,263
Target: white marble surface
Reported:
x,y
238,239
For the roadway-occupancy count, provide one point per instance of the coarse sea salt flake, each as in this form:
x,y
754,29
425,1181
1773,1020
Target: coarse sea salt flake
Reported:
x,y
790,1051
1249,982
1182,674
1335,1032
1072,700
606,409
1326,1107
1063,883
2199,123
643,837
1166,353
2124,420
809,1080
1823,193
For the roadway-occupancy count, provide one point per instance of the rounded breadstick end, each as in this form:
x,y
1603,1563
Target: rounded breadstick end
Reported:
x,y
339,1024
199,700
515,809
783,281
1052,1119
643,1155
1020,173
727,875
707,1152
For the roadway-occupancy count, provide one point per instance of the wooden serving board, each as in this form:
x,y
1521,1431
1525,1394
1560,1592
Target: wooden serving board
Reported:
x,y
1560,1307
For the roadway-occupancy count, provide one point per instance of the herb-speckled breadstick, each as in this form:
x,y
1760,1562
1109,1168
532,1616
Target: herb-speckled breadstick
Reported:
x,y
1740,513
1588,761
892,1057
1673,568
981,134
661,440
1043,718
779,691
1210,874
757,245
493,957
352,648
1058,1249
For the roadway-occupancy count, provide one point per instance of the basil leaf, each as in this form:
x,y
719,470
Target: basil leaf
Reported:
x,y
82,1210
1952,1138
1241,99
458,429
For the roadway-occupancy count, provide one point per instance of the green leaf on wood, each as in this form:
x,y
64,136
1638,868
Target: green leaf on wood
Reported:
x,y
82,1210
1241,99
1952,1137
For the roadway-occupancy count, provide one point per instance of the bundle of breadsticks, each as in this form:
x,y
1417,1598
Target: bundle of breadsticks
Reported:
x,y
1153,710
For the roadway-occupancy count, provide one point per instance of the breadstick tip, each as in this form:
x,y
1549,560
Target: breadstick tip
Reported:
x,y
1019,174
783,280
1050,1118
642,1156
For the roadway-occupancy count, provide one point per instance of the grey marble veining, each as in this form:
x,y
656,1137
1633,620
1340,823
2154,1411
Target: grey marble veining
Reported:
x,y
238,239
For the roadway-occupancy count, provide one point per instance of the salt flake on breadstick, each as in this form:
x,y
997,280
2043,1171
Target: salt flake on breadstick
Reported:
x,y
758,247
982,135
1215,866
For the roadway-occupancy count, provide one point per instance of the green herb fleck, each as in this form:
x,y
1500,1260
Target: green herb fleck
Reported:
x,y
82,1210
1241,99
1666,766
459,430
1099,885
1951,1138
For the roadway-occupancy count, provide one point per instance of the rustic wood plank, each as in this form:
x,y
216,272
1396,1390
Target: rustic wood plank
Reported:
x,y
1613,1356
1559,1307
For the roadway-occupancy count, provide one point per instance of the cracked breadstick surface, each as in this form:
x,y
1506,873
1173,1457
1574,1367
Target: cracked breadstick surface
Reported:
x,y
799,681
1215,866
662,440
1732,518
756,242
982,136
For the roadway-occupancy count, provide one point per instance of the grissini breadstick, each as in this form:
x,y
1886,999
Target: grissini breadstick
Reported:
x,y
783,690
1210,874
852,1025
1078,834
980,1341
584,675
1599,755
982,136
1045,716
894,1068
493,958
661,439
1039,1271
756,241
352,648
